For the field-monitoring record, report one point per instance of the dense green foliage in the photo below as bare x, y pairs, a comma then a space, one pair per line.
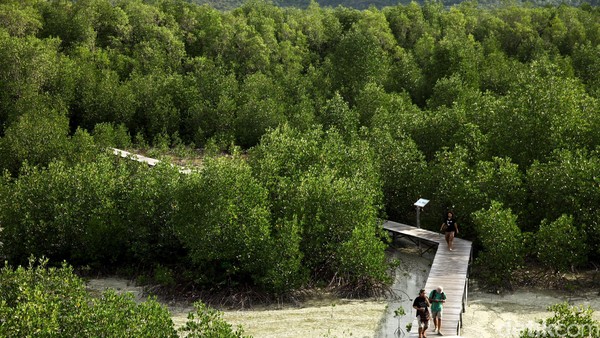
365, 4
233, 238
42, 301
53, 302
331, 188
561, 244
64, 212
501, 240
348, 116
568, 184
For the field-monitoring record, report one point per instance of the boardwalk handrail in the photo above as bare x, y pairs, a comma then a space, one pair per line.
449, 269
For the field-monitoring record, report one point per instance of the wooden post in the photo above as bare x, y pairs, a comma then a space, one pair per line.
419, 226
466, 295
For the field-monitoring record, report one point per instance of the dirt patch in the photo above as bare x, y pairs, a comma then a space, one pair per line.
338, 318
97, 285
490, 315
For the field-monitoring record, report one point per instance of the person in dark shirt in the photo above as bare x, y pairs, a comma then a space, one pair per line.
451, 228
421, 304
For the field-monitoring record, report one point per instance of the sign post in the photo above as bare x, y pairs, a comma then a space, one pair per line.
420, 204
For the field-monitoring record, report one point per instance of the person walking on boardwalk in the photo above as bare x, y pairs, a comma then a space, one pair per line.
451, 228
437, 297
421, 304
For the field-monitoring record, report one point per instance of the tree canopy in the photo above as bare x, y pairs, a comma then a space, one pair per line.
331, 118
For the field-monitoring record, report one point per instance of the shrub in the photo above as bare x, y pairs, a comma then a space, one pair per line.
331, 186
502, 244
35, 138
222, 217
361, 261
568, 321
399, 162
568, 183
64, 212
147, 210
560, 244
287, 271
119, 315
163, 275
207, 322
111, 135
41, 301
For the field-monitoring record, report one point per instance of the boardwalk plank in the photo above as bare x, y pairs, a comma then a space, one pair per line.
143, 159
448, 269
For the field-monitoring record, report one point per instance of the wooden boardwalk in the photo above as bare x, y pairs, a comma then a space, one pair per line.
143, 159
450, 269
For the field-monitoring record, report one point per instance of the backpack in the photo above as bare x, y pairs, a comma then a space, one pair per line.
434, 292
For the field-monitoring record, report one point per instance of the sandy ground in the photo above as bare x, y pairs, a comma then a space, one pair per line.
330, 317
338, 319
315, 318
487, 315
491, 315
342, 317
